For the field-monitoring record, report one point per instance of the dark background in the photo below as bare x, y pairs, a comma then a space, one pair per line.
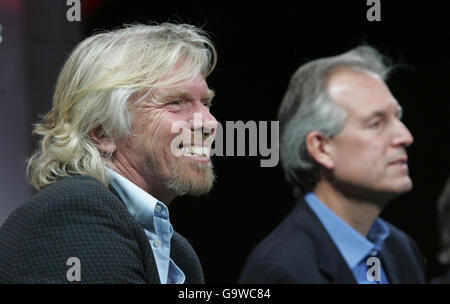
260, 44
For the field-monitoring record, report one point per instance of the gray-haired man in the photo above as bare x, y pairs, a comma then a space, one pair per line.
343, 149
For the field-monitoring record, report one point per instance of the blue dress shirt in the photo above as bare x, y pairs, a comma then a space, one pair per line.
354, 247
153, 216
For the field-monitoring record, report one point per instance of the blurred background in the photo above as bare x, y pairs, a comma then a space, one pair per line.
259, 47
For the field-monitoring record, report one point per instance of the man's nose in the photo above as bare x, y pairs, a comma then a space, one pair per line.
403, 136
203, 119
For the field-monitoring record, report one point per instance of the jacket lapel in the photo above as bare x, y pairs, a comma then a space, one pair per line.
331, 263
185, 257
390, 265
150, 262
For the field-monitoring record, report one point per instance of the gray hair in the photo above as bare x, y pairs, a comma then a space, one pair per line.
443, 208
307, 106
95, 87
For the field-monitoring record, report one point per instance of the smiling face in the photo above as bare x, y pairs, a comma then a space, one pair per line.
149, 151
368, 154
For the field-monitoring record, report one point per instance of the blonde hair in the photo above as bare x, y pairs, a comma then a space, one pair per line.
95, 86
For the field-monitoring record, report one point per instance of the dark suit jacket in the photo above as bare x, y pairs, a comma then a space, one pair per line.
443, 278
79, 217
300, 250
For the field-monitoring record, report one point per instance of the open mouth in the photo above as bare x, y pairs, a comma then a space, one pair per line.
196, 151
401, 163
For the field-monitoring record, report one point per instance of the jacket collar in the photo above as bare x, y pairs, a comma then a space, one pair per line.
330, 260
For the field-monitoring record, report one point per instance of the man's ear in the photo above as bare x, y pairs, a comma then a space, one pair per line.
103, 143
317, 145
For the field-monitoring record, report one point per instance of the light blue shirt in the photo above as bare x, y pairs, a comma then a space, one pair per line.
153, 216
354, 247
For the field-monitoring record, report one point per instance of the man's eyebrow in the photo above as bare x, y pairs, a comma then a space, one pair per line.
378, 113
186, 95
175, 94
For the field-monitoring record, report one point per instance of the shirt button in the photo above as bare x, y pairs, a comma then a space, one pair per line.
374, 253
158, 208
157, 243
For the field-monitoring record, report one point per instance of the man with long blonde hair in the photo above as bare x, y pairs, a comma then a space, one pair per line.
107, 168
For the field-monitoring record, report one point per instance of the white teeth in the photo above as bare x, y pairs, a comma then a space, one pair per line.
206, 151
196, 150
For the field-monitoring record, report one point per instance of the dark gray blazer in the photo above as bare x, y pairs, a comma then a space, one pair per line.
300, 250
79, 217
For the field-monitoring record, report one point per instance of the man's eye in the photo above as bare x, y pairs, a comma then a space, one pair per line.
174, 102
375, 124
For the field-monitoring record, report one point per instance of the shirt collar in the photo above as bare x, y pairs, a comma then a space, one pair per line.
353, 246
139, 203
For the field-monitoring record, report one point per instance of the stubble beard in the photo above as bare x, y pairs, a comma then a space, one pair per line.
196, 180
